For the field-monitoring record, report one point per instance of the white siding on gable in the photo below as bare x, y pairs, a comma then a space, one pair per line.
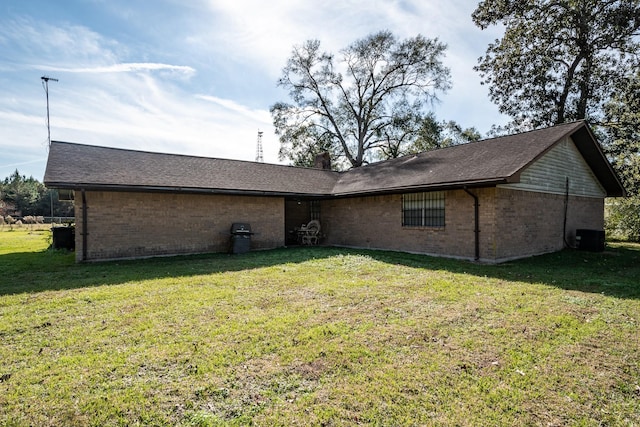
548, 174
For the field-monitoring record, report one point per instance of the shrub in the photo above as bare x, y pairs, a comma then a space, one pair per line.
623, 219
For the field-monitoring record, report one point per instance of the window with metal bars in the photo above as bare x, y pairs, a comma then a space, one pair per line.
423, 209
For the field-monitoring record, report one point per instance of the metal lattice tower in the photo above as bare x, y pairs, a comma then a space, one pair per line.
259, 157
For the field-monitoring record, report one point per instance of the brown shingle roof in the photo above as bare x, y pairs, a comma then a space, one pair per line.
85, 166
491, 161
487, 162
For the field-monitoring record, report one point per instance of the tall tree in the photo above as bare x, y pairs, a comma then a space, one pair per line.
622, 121
562, 60
364, 103
29, 196
439, 134
22, 192
558, 60
622, 131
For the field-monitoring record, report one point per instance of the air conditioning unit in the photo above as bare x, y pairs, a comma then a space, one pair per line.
590, 240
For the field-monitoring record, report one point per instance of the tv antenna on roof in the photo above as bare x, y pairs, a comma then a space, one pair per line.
259, 157
45, 85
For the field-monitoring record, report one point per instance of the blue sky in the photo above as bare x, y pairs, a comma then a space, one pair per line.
195, 76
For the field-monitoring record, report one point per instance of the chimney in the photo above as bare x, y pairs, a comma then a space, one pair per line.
323, 161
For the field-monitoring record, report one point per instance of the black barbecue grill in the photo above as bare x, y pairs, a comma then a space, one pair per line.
240, 237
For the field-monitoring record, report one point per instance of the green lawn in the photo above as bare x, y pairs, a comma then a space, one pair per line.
318, 336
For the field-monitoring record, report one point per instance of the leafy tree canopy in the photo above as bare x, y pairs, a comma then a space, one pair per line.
367, 102
563, 60
558, 60
28, 196
622, 132
434, 134
20, 191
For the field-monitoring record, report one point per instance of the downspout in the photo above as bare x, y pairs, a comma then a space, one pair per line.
476, 230
84, 226
566, 208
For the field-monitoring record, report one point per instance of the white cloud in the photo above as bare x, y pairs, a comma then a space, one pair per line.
148, 114
124, 68
232, 106
252, 30
252, 33
103, 101
29, 41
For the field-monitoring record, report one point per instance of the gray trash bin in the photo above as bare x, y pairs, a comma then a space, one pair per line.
240, 237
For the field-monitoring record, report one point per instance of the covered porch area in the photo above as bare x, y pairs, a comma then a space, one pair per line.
301, 217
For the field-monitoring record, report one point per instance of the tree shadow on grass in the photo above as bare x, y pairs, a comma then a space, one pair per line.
52, 270
615, 272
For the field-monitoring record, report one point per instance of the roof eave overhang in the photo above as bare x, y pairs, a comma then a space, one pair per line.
443, 186
373, 192
181, 190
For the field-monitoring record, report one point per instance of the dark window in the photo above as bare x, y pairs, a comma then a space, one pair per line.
423, 209
314, 209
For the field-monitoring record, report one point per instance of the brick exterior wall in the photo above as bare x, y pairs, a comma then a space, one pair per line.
376, 222
531, 223
513, 224
130, 224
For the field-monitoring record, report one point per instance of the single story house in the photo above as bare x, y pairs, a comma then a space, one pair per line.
492, 200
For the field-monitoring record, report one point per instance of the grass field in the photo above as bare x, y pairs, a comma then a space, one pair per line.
318, 336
